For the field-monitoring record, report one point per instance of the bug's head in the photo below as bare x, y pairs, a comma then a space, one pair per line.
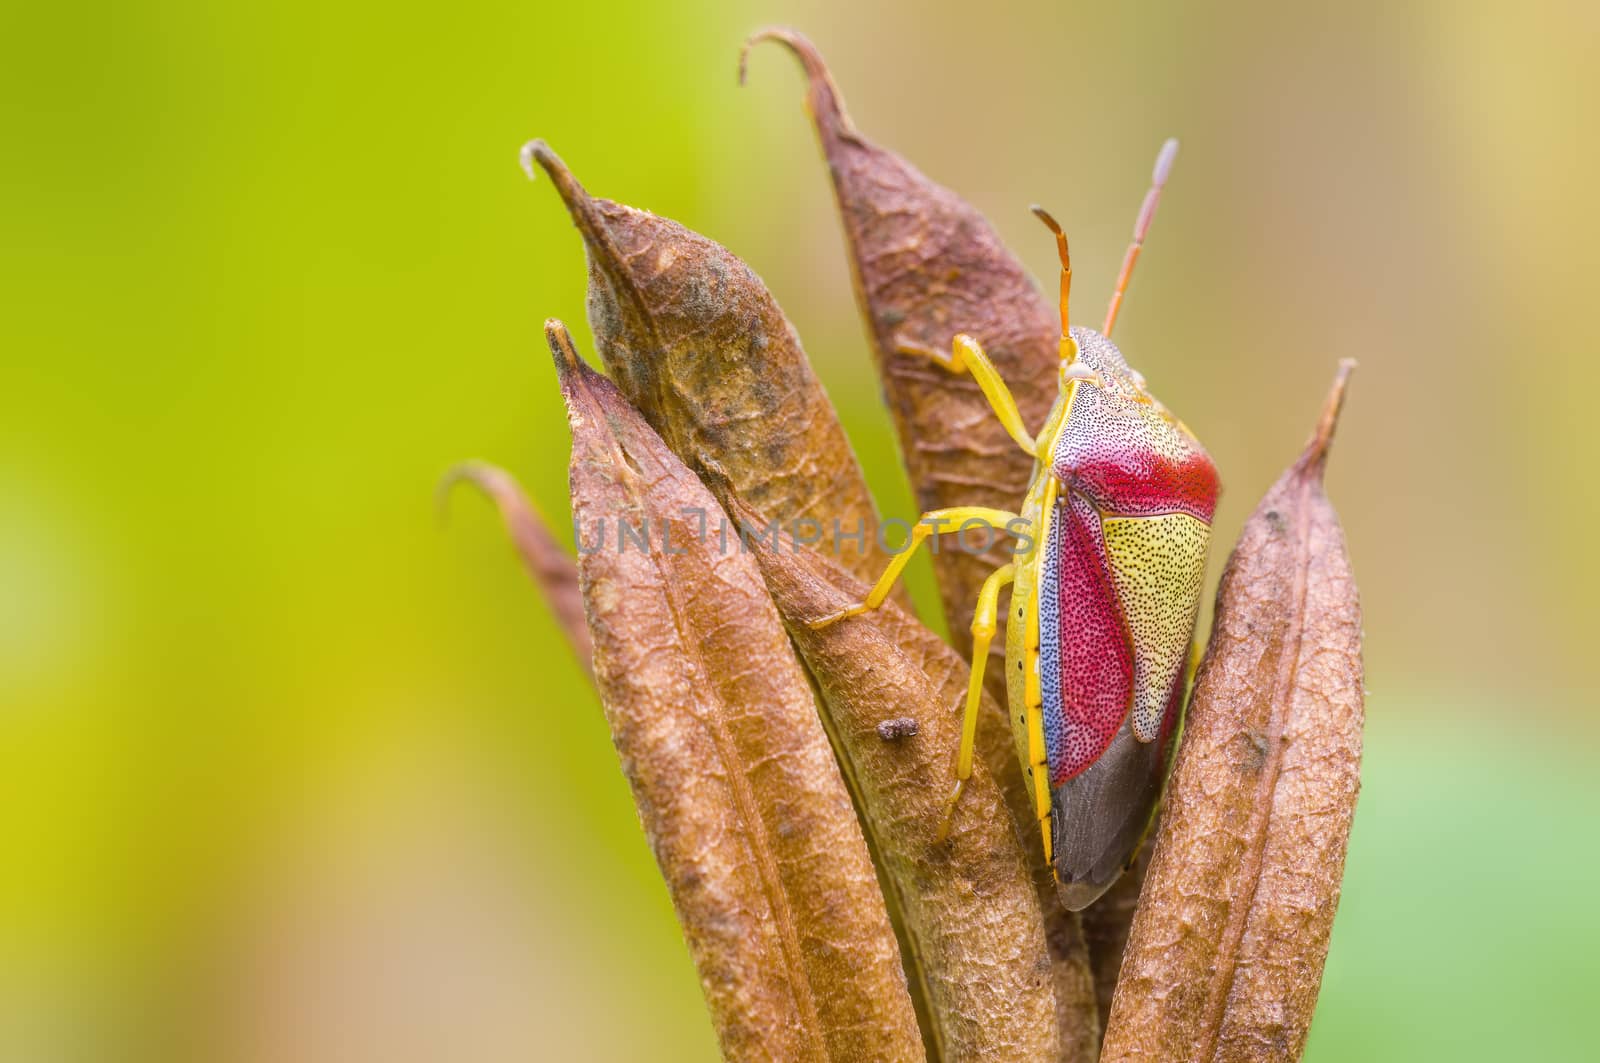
1076, 368
1099, 362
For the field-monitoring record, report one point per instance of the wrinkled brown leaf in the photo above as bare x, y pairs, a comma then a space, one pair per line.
694, 339
717, 730
970, 906
1226, 952
553, 569
928, 266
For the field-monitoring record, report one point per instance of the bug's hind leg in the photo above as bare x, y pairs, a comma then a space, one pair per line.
935, 522
984, 619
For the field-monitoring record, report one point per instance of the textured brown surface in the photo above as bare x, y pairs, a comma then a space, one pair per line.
1225, 956
553, 569
1077, 1016
736, 785
1106, 923
696, 342
928, 266
970, 907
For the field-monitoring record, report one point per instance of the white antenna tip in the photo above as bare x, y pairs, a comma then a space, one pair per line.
525, 156
1169, 152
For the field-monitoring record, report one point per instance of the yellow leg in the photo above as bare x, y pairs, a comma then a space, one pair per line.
937, 521
983, 627
966, 356
1039, 769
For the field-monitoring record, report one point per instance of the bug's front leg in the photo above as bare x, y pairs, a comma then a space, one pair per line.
984, 622
934, 522
967, 356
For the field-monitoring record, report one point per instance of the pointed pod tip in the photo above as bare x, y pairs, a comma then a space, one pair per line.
498, 485
537, 153
744, 55
473, 472
1315, 458
527, 155
568, 365
586, 213
789, 37
827, 109
591, 399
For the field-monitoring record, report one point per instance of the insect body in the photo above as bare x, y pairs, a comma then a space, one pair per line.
1106, 590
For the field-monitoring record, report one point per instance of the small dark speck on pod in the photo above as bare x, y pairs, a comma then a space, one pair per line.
898, 728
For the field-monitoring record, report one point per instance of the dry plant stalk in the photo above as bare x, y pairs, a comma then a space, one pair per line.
696, 342
1226, 952
554, 571
927, 266
970, 908
716, 727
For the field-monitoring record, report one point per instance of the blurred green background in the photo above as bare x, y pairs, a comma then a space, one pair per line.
288, 773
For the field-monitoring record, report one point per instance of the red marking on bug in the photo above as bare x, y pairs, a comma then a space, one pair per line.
1096, 658
1129, 460
1132, 481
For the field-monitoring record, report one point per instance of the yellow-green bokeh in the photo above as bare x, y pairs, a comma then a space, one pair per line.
288, 772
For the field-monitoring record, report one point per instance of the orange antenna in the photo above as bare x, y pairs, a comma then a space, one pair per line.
1069, 349
1141, 227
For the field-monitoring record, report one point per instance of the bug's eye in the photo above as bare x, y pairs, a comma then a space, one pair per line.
1079, 371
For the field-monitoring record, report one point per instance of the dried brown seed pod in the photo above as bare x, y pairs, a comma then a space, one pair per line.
717, 730
1226, 951
1105, 928
696, 342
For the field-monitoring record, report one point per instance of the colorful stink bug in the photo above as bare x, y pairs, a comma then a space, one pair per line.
1105, 589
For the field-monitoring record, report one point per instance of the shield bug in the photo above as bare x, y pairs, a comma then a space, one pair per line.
1106, 578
